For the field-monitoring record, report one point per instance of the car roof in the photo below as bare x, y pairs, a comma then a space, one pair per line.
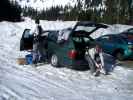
125, 31
130, 28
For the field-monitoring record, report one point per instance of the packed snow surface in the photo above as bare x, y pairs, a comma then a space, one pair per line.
45, 82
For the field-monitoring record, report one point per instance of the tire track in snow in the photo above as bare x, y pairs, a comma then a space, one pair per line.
17, 70
40, 83
49, 82
11, 92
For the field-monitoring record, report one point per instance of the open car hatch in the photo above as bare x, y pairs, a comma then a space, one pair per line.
86, 28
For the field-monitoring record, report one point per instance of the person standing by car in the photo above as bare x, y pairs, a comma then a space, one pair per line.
37, 52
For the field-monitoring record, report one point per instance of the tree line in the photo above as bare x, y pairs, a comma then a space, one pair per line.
9, 11
106, 11
103, 11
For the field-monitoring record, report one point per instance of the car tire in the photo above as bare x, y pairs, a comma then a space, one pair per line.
119, 55
54, 60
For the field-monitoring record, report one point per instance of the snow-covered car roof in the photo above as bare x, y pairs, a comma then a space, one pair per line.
89, 23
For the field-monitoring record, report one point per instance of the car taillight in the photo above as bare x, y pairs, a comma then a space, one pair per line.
72, 54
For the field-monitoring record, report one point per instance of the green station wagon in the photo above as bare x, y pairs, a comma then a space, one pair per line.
69, 49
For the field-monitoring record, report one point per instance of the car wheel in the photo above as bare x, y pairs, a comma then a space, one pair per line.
119, 56
55, 60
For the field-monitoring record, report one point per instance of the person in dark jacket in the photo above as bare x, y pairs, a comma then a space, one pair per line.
37, 31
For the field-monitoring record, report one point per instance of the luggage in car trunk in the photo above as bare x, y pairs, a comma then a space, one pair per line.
80, 45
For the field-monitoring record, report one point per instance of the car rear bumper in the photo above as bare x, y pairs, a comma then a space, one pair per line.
80, 63
77, 64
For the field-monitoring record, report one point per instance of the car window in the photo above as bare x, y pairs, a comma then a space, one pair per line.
27, 33
114, 39
105, 38
82, 39
78, 39
64, 34
130, 30
53, 35
86, 39
119, 40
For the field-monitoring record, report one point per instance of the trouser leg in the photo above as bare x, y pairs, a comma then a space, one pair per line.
35, 53
35, 58
90, 63
41, 53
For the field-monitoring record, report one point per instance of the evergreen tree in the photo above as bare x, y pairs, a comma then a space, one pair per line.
95, 8
123, 12
130, 11
110, 15
107, 11
8, 11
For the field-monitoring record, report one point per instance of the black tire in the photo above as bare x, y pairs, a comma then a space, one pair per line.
54, 60
119, 55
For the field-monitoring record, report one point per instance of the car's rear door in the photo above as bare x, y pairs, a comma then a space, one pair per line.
60, 47
26, 42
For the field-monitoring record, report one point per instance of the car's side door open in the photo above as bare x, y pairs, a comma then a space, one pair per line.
26, 42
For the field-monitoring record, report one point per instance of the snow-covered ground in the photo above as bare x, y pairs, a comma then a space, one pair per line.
48, 83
